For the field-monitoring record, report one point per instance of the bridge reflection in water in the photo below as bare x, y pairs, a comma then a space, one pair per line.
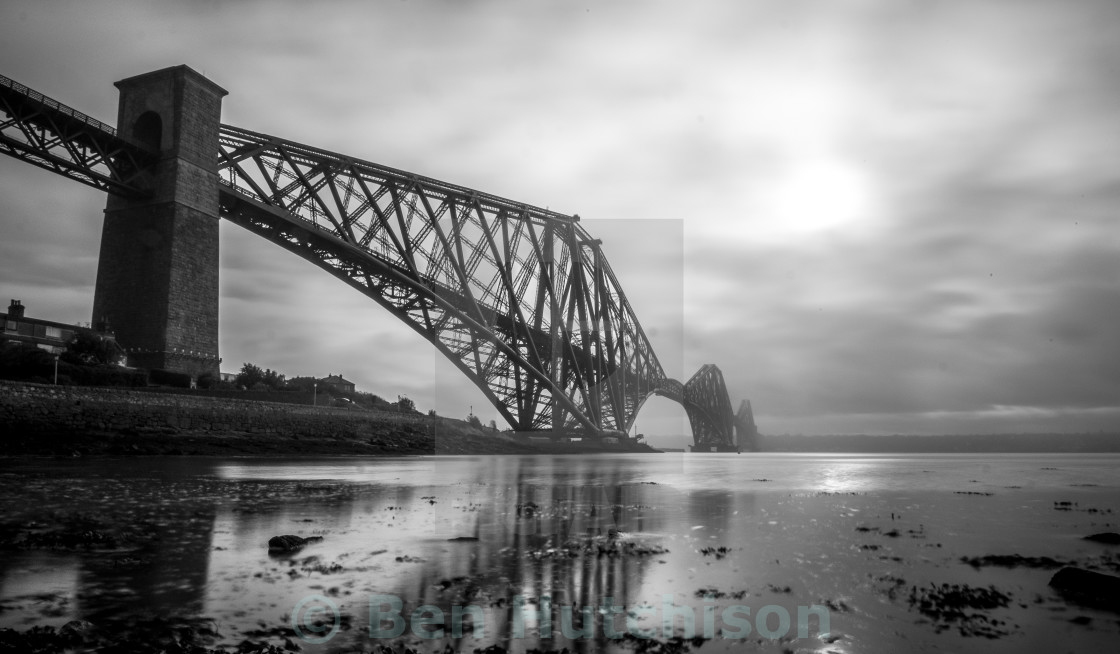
544, 531
543, 528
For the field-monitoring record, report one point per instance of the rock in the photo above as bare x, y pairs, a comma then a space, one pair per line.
963, 607
1108, 538
1088, 587
1012, 561
290, 543
76, 630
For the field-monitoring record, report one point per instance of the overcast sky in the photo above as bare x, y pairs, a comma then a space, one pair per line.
874, 216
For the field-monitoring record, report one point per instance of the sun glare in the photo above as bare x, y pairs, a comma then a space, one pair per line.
819, 196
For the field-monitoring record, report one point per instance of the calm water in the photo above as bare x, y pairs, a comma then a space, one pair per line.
798, 531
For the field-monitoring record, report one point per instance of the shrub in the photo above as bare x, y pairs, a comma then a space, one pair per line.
20, 361
251, 375
23, 361
170, 378
101, 375
88, 348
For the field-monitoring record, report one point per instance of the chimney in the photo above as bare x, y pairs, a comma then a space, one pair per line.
15, 309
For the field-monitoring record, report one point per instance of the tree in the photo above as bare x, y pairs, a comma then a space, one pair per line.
473, 421
273, 379
249, 375
306, 384
405, 404
90, 349
253, 377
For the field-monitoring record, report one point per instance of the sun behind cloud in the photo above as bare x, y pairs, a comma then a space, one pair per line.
818, 195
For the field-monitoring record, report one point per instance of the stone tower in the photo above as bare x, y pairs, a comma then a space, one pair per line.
157, 277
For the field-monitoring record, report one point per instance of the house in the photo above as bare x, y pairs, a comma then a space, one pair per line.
45, 334
337, 383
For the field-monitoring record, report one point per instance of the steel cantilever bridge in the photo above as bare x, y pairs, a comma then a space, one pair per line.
521, 299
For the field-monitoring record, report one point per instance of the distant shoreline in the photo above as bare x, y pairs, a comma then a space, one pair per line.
1042, 443
71, 420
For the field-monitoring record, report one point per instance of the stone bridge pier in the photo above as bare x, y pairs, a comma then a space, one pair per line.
157, 277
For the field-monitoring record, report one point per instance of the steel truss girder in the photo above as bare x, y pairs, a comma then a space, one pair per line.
707, 404
709, 408
48, 134
745, 427
520, 298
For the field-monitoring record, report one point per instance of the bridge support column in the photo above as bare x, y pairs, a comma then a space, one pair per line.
157, 277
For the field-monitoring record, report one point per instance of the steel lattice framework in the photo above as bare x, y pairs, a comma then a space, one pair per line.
48, 134
521, 299
709, 409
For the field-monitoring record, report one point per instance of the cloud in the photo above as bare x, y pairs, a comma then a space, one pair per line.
870, 214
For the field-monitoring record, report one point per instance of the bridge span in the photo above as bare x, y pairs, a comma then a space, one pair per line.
521, 299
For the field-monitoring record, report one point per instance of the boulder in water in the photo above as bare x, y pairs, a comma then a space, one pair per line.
1107, 537
290, 543
1088, 587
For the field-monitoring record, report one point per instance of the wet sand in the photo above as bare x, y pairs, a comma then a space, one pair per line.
920, 564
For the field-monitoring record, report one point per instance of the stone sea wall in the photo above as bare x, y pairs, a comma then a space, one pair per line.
36, 408
43, 419
40, 419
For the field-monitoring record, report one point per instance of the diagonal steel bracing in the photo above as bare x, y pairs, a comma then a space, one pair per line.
520, 298
48, 134
709, 409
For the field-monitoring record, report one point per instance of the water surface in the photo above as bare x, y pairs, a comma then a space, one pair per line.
697, 534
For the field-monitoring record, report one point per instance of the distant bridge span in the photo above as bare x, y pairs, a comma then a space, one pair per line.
521, 299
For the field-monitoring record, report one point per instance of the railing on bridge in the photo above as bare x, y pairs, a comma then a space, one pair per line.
51, 135
32, 94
